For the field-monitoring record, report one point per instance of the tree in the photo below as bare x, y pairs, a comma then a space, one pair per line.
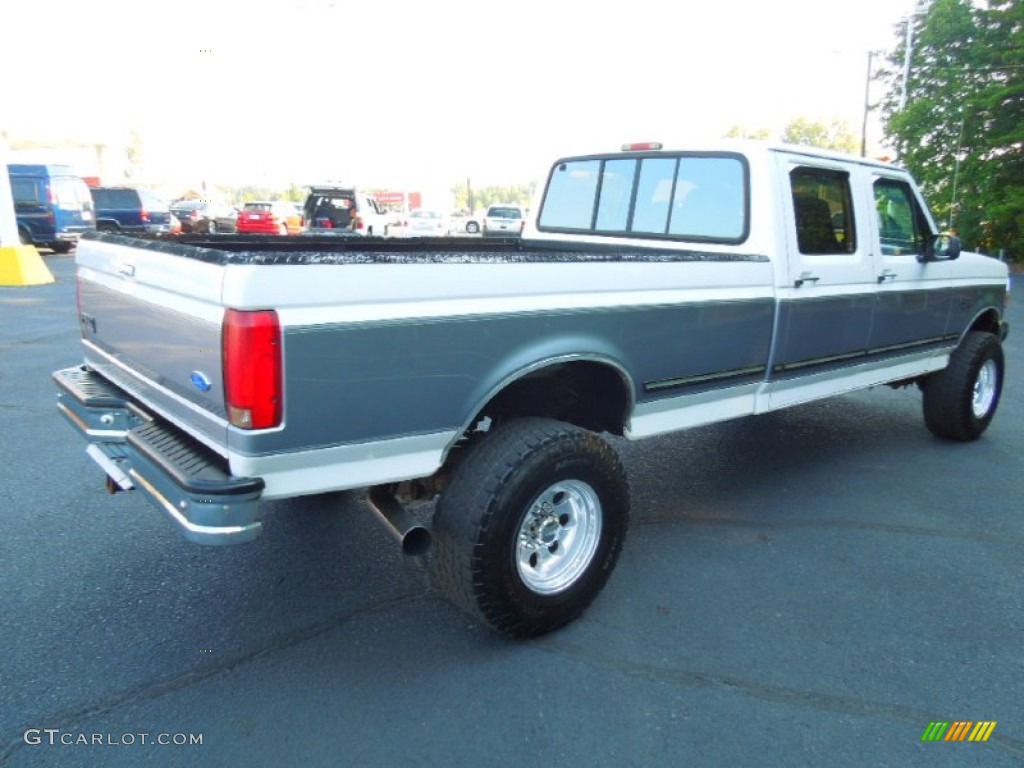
835, 134
514, 194
742, 132
955, 116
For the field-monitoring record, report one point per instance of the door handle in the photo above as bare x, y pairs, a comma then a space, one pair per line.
128, 270
887, 274
805, 277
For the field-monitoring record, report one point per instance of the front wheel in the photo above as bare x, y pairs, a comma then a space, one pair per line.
961, 399
531, 525
472, 227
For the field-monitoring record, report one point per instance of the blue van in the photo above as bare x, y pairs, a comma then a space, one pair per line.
52, 205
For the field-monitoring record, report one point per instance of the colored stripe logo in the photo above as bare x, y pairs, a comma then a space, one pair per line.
958, 730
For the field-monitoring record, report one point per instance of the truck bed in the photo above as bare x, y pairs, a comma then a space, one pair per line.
228, 249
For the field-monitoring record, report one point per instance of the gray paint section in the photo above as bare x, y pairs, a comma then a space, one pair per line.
359, 383
160, 345
829, 331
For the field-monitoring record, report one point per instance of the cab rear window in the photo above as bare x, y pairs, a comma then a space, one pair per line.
700, 197
505, 213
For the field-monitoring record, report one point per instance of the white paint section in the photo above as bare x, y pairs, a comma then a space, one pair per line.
351, 293
346, 466
809, 387
676, 413
188, 286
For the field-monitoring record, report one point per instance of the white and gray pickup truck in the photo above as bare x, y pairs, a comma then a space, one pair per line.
652, 290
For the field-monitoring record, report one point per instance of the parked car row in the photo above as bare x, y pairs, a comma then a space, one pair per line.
54, 207
499, 221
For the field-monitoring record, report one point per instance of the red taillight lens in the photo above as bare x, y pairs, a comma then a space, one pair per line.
144, 215
251, 342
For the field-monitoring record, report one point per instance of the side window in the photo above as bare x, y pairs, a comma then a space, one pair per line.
25, 193
823, 211
902, 227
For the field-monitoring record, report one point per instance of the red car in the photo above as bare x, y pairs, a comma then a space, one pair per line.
269, 218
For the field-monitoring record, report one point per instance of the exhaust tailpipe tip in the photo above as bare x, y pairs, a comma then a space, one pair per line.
414, 538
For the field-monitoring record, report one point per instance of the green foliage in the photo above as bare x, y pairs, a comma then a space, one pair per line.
961, 126
743, 132
514, 194
835, 135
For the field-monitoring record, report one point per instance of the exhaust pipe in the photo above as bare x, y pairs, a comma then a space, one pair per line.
414, 538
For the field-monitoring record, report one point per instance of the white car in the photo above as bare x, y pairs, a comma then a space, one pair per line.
504, 221
426, 222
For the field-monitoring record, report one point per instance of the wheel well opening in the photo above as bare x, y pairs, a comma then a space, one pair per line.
588, 394
987, 321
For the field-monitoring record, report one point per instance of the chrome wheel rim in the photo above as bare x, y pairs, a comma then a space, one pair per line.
985, 386
558, 537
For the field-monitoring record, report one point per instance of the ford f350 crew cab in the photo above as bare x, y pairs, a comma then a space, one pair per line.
651, 291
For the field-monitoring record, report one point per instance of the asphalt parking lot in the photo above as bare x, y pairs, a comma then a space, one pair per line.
810, 587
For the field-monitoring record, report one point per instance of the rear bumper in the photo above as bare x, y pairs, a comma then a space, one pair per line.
178, 474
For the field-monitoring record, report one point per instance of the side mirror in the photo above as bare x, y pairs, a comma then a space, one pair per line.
942, 247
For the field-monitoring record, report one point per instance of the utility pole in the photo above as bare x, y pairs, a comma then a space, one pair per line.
867, 106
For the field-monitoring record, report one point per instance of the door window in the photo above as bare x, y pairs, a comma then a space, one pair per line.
823, 211
902, 227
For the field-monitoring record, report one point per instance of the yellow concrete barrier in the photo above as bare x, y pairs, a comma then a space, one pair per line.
22, 265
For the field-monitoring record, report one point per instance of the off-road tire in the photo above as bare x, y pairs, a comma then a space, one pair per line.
960, 400
490, 517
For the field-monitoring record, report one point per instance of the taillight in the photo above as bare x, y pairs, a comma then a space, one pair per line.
251, 349
145, 215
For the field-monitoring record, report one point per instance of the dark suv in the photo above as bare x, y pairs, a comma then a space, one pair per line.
126, 209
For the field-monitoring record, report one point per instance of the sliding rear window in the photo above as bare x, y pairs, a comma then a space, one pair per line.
698, 197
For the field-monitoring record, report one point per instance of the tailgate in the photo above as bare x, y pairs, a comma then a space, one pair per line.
151, 322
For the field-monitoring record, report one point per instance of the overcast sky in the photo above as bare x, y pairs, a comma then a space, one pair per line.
401, 93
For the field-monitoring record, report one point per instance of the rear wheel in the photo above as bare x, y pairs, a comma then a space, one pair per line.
531, 525
472, 227
24, 237
62, 247
960, 400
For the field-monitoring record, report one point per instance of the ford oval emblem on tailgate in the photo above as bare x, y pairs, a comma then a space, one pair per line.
200, 381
